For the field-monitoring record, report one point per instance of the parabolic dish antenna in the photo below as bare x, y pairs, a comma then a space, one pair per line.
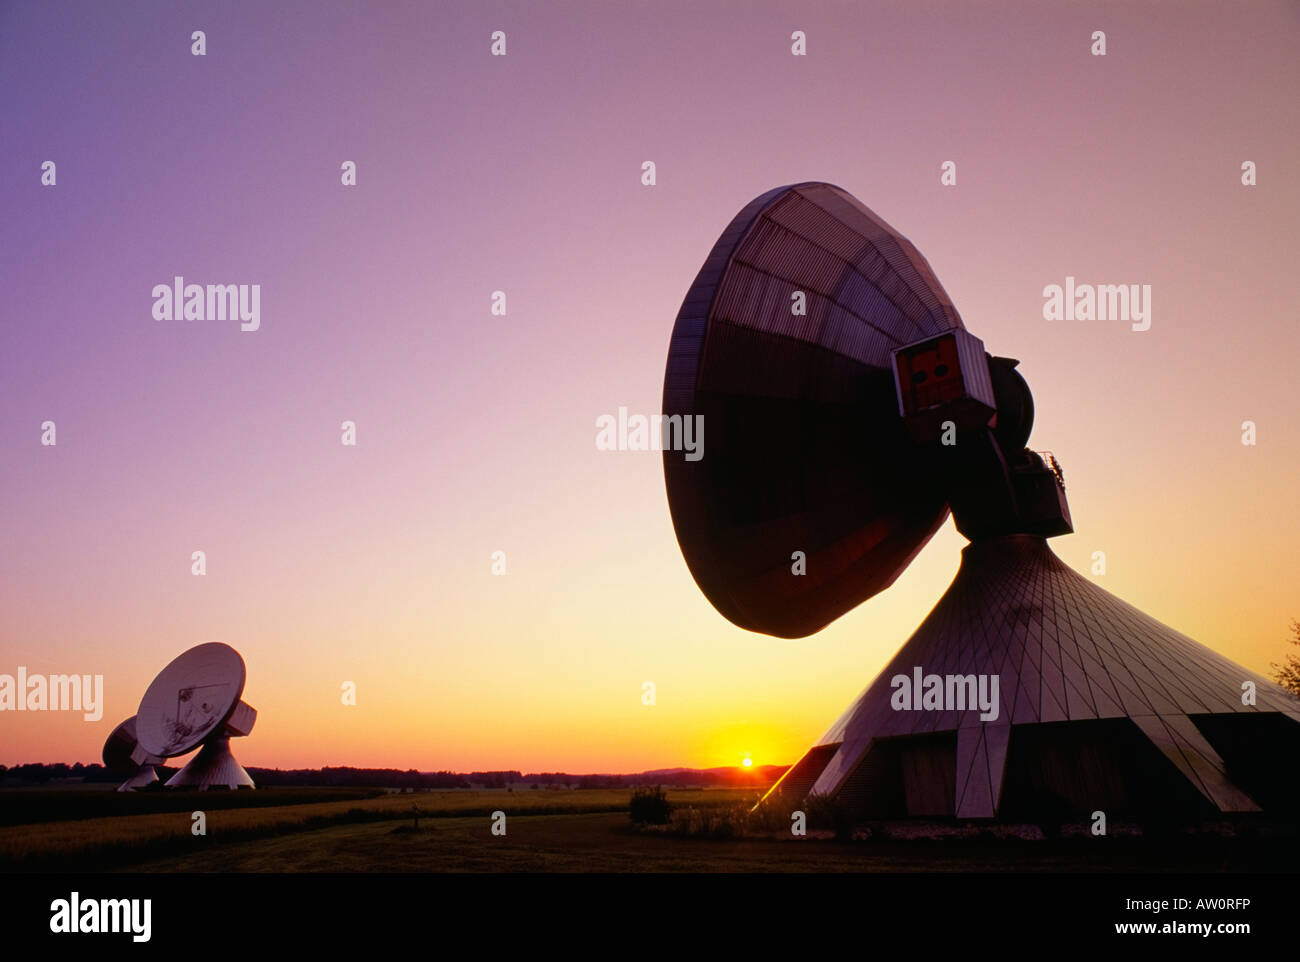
195, 701
785, 345
848, 410
118, 750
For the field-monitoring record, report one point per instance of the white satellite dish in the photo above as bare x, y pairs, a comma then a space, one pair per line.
195, 703
118, 751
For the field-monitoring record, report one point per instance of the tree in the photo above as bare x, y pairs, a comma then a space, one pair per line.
1287, 674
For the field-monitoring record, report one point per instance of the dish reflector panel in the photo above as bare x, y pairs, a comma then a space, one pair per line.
784, 345
190, 699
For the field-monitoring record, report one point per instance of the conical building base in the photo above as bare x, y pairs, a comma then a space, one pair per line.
213, 767
1029, 692
144, 776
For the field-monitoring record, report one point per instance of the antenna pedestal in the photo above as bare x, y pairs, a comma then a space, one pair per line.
213, 767
144, 776
1096, 706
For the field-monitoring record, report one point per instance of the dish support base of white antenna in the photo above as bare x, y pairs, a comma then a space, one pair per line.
213, 767
144, 775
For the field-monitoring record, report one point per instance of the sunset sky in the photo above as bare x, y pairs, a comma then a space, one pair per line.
476, 433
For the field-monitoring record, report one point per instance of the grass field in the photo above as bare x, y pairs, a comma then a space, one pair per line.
28, 805
114, 839
581, 830
607, 843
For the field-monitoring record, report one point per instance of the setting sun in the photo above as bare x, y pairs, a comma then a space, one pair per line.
748, 762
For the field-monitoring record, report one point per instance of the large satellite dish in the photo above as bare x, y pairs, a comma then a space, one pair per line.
119, 747
846, 411
785, 345
195, 703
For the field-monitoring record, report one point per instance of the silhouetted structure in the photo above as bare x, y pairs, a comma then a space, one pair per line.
195, 703
847, 411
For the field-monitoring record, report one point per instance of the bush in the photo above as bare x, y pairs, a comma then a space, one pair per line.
720, 822
772, 816
650, 806
830, 812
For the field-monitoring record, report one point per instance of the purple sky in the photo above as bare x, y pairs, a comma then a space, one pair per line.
476, 433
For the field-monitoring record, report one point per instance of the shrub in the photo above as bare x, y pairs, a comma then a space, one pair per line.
650, 806
773, 815
729, 821
830, 812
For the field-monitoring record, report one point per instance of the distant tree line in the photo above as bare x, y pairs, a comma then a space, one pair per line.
683, 778
347, 777
38, 774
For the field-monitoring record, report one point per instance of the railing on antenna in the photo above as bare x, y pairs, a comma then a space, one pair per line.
1054, 466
